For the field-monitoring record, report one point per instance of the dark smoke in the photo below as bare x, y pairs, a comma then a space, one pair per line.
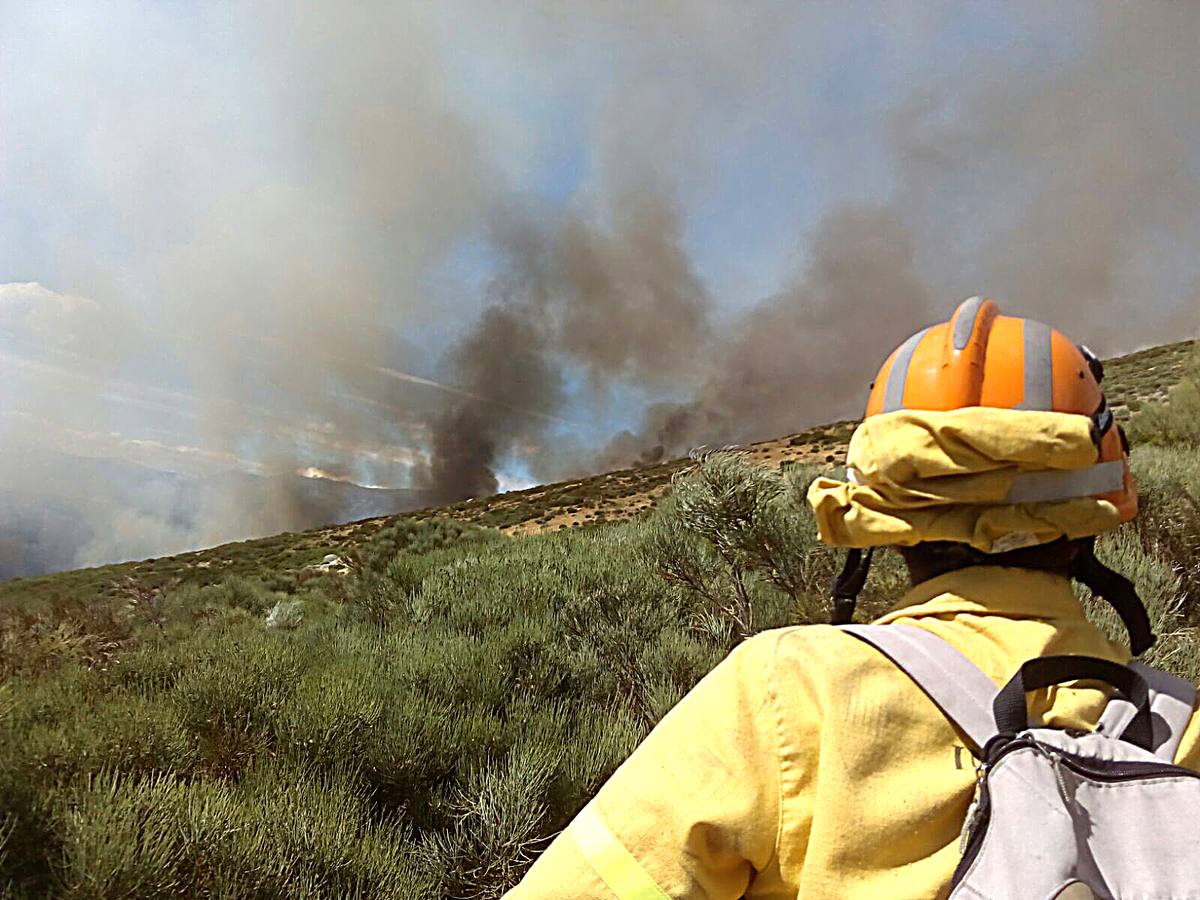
505, 360
805, 354
622, 301
1068, 192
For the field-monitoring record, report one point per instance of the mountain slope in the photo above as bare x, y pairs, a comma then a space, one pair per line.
59, 510
1131, 381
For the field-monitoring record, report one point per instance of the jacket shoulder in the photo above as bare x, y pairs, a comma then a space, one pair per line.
823, 657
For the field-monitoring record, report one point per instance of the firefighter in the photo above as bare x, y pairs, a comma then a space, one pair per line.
807, 765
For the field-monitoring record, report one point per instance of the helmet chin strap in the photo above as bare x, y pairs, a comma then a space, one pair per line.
1119, 592
849, 584
1085, 568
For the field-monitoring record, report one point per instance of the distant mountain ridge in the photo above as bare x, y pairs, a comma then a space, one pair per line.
51, 512
1131, 381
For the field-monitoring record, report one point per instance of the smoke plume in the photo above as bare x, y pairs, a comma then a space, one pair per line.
621, 302
506, 356
805, 353
1068, 193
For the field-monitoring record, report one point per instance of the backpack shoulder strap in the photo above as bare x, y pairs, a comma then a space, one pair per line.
1172, 701
962, 692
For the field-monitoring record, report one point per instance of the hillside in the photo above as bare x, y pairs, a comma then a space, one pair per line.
421, 719
52, 518
1131, 381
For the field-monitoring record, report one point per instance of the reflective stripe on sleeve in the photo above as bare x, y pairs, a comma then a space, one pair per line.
618, 868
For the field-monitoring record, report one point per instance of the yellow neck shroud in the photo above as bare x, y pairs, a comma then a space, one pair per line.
997, 479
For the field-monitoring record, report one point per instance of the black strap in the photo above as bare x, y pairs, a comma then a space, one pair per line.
1119, 592
849, 584
1094, 363
1102, 421
1009, 706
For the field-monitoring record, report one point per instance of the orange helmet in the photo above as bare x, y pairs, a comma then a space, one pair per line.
981, 358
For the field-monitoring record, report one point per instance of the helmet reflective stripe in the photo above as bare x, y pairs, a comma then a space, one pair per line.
1047, 487
1039, 367
1067, 484
964, 321
893, 399
1094, 364
616, 866
980, 358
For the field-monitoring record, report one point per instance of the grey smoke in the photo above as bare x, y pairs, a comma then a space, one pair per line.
807, 353
507, 357
622, 302
1069, 193
271, 267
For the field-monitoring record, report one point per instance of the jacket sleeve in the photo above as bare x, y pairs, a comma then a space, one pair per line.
694, 811
1188, 754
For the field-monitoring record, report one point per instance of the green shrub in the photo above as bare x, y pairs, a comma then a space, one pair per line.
381, 595
282, 581
229, 704
279, 833
442, 711
740, 541
242, 593
1168, 481
1155, 579
497, 813
1175, 421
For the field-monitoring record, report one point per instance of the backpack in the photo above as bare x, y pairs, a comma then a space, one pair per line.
1059, 813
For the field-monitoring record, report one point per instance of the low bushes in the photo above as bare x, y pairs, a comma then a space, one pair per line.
280, 832
741, 544
430, 721
427, 752
1177, 421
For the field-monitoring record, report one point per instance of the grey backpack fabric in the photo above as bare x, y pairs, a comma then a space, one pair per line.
1059, 814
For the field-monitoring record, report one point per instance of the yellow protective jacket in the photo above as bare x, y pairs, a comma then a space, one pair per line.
806, 765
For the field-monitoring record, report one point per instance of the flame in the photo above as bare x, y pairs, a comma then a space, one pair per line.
315, 472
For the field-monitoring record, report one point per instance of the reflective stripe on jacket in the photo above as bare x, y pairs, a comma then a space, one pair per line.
806, 765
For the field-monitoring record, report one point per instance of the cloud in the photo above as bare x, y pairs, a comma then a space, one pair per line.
37, 315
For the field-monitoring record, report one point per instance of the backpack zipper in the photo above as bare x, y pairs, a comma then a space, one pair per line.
973, 811
1105, 771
